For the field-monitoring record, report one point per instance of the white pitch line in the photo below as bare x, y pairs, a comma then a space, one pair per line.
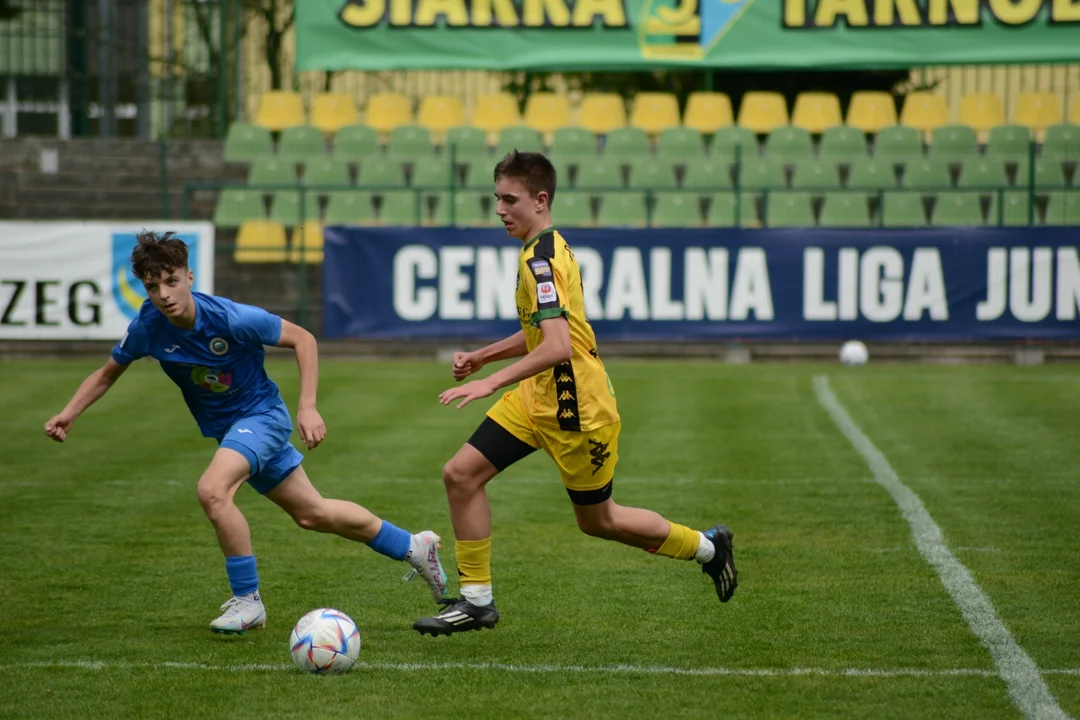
1020, 673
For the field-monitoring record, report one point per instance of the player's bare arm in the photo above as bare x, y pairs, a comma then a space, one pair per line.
554, 349
309, 423
90, 391
467, 363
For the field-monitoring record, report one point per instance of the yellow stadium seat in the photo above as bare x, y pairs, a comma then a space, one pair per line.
547, 112
310, 234
707, 112
260, 241
653, 111
982, 111
332, 111
279, 109
1037, 111
1074, 111
871, 110
762, 111
602, 112
386, 111
816, 111
439, 113
924, 111
495, 112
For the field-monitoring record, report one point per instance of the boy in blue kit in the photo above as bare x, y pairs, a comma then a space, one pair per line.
212, 348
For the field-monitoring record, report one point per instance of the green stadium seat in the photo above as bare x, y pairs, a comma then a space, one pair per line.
788, 209
572, 209
468, 209
898, 144
409, 143
845, 210
285, 207
680, 143
1049, 173
349, 207
761, 174
623, 209
599, 175
301, 144
954, 143
983, 173
708, 174
815, 175
403, 208
1062, 141
380, 173
901, 209
245, 142
676, 209
271, 171
356, 142
929, 174
626, 144
1013, 210
433, 173
236, 206
521, 138
480, 175
1009, 140
871, 174
651, 174
957, 209
722, 210
573, 142
465, 140
734, 142
842, 144
1063, 209
789, 144
326, 172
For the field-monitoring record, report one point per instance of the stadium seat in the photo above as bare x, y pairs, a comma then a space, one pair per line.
332, 111
465, 141
236, 206
602, 112
626, 144
260, 241
468, 210
1037, 110
1063, 209
433, 173
439, 113
1010, 140
788, 209
816, 111
653, 174
300, 143
599, 175
495, 112
898, 144
761, 174
521, 138
409, 143
707, 173
928, 174
901, 209
762, 112
954, 143
349, 207
572, 209
547, 112
871, 111
1049, 173
623, 209
245, 143
571, 142
815, 175
479, 174
1062, 141
307, 243
707, 112
957, 209
380, 173
654, 112
279, 109
985, 173
982, 111
789, 144
286, 208
732, 142
325, 172
723, 209
675, 210
924, 111
386, 111
680, 143
1074, 111
842, 144
1013, 212
871, 174
402, 208
271, 171
845, 210
356, 142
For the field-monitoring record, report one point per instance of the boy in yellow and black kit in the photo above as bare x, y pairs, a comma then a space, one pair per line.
564, 404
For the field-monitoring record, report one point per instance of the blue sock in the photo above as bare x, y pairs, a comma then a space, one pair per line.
243, 578
393, 542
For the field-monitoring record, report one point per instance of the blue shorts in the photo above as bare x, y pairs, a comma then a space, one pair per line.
264, 440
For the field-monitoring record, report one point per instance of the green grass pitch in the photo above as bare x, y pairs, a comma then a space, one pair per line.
109, 573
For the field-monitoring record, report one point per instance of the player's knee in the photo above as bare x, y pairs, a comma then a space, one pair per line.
212, 498
598, 526
458, 479
313, 517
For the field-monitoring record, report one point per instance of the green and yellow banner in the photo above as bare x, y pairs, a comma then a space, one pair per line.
630, 34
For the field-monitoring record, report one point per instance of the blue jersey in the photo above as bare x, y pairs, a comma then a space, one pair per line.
218, 364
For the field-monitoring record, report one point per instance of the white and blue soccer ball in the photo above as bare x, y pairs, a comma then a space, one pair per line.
325, 642
854, 352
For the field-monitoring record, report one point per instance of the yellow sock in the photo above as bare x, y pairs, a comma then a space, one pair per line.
681, 543
474, 561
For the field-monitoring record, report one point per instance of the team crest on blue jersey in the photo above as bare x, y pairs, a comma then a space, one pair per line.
127, 290
219, 346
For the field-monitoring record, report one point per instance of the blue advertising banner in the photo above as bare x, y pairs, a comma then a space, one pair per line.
933, 284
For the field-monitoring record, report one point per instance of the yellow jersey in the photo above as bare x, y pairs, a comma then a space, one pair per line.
575, 395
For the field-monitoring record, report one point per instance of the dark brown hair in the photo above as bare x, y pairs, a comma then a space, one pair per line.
155, 255
533, 169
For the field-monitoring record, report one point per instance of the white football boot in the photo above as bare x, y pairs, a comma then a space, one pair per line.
424, 558
240, 613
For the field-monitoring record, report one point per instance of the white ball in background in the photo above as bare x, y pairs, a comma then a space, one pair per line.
854, 353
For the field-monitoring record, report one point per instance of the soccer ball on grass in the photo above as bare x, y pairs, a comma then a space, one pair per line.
325, 642
854, 352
